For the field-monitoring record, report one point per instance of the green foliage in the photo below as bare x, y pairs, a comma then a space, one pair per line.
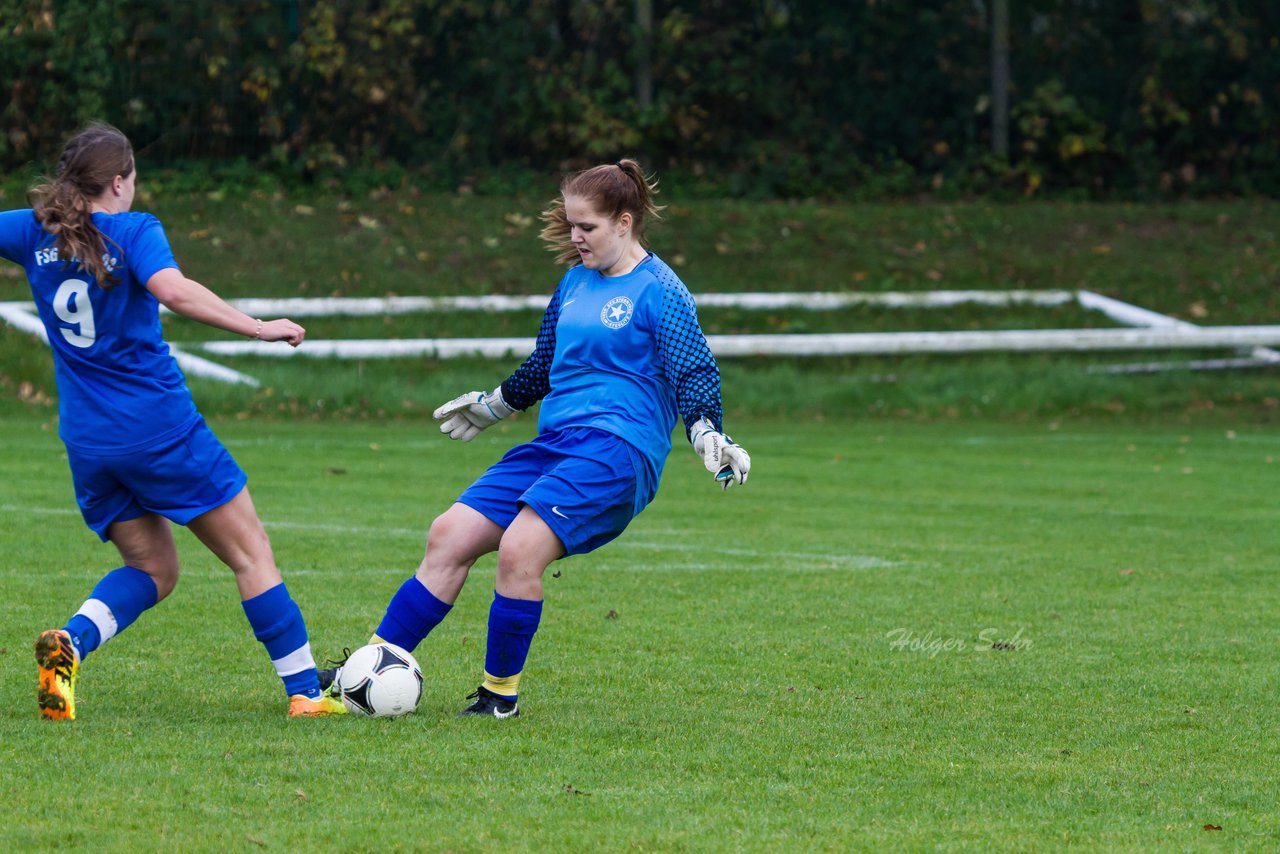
1059, 139
761, 99
49, 75
1212, 108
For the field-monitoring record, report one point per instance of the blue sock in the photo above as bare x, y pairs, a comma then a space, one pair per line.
512, 624
277, 623
411, 615
117, 600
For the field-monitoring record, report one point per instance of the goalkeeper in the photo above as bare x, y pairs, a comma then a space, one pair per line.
619, 354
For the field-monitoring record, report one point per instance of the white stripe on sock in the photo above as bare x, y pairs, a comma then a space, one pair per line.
295, 662
100, 615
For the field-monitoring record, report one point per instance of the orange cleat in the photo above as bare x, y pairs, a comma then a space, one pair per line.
305, 707
59, 665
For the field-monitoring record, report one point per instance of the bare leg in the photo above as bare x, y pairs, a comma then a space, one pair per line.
146, 543
234, 533
457, 539
528, 547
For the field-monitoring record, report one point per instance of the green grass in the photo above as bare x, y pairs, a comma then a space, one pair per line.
803, 664
736, 673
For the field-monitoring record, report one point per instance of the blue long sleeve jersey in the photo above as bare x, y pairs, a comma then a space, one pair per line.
622, 354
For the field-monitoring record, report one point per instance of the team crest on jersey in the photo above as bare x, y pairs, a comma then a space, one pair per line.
617, 312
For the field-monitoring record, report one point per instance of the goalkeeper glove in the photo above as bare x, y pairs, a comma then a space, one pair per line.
464, 417
730, 463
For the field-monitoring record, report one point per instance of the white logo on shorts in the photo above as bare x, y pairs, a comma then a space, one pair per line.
556, 510
617, 312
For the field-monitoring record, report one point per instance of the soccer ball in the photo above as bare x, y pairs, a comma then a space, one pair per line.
380, 680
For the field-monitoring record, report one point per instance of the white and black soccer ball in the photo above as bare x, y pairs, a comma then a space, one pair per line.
380, 680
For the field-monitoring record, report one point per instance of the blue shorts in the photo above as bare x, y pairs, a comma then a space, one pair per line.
581, 482
179, 478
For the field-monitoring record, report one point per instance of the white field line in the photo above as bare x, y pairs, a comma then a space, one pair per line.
317, 527
810, 558
356, 530
39, 511
790, 560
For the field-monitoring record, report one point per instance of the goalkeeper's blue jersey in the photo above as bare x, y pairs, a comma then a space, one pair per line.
119, 389
622, 354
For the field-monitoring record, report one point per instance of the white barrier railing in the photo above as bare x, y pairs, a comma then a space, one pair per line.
835, 344
1154, 331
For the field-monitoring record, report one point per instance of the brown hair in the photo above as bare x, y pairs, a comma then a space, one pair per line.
614, 189
90, 161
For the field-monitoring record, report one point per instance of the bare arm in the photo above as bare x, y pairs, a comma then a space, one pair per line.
193, 300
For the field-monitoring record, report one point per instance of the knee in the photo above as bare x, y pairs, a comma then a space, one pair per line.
164, 573
446, 552
522, 557
162, 565
517, 577
447, 541
513, 563
527, 548
438, 533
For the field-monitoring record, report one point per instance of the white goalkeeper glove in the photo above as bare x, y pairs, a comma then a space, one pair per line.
730, 463
464, 417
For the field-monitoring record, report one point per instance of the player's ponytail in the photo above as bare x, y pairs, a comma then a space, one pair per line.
62, 204
614, 189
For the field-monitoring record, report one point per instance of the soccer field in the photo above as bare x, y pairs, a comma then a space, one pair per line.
898, 636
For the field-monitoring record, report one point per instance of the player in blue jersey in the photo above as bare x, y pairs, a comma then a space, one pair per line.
619, 356
140, 453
